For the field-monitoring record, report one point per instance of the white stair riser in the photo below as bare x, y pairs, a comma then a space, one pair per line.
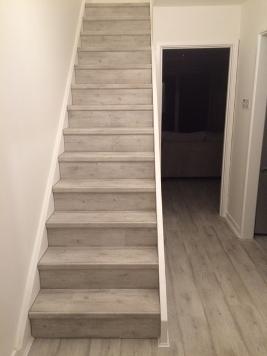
115, 41
91, 119
107, 170
111, 96
111, 76
123, 12
102, 237
104, 201
99, 277
117, 26
111, 326
109, 143
114, 58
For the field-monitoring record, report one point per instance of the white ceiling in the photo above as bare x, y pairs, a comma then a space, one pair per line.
196, 2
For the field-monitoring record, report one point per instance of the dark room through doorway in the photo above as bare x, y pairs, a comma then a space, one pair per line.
194, 102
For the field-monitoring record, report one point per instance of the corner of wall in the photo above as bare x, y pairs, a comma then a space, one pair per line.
234, 226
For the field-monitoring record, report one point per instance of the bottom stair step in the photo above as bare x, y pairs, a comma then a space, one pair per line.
118, 313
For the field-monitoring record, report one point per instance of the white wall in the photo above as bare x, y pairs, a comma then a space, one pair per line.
254, 21
196, 2
196, 23
178, 25
36, 42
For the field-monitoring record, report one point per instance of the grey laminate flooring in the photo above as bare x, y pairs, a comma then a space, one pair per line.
217, 285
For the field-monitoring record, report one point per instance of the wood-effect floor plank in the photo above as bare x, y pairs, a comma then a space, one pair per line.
102, 347
262, 241
219, 317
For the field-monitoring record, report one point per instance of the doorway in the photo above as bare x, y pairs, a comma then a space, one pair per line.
260, 114
261, 210
194, 108
254, 199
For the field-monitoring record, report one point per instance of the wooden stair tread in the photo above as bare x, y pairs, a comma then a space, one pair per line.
104, 185
118, 48
114, 33
117, 4
112, 67
83, 257
112, 86
84, 34
108, 131
95, 302
106, 157
144, 219
115, 18
115, 49
110, 107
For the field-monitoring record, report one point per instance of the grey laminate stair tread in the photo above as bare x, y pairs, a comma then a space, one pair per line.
113, 67
118, 48
110, 107
108, 131
124, 35
117, 4
62, 302
115, 18
114, 33
112, 41
115, 49
112, 86
105, 185
107, 157
144, 219
83, 257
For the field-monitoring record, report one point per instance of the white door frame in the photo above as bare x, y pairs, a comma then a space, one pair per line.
256, 132
230, 106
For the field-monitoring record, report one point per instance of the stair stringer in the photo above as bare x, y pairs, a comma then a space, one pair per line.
164, 336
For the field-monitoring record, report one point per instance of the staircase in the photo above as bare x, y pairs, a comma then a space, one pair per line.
99, 276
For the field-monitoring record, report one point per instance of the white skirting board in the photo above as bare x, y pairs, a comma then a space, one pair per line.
24, 351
